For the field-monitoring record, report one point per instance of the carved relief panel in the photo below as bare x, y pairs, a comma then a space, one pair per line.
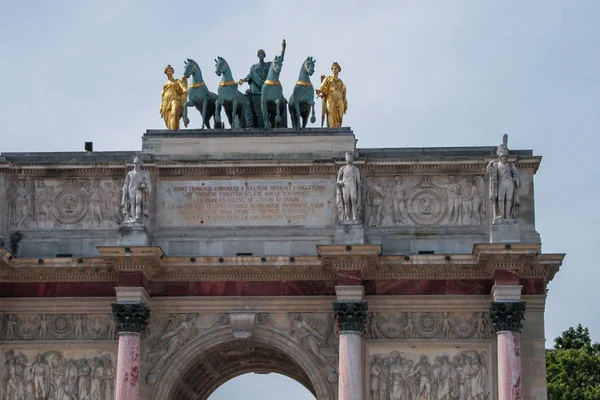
428, 372
441, 325
58, 374
93, 203
57, 327
426, 201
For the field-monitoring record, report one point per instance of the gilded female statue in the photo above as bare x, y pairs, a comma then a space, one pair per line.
174, 95
333, 93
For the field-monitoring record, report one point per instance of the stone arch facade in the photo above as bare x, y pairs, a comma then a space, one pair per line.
290, 359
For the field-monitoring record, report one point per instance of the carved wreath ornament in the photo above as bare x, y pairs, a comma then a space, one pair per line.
70, 206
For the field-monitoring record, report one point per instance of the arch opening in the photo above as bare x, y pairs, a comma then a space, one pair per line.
232, 359
261, 386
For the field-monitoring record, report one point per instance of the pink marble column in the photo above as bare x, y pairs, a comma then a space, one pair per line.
128, 366
509, 365
130, 319
350, 384
507, 318
351, 317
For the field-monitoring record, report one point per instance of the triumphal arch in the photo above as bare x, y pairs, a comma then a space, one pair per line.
362, 273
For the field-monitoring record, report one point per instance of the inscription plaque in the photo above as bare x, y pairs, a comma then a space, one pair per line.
273, 202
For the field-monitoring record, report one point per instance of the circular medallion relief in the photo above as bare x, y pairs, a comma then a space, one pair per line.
427, 325
60, 326
426, 207
70, 206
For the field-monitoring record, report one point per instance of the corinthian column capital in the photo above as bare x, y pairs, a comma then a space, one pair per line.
507, 315
130, 317
350, 315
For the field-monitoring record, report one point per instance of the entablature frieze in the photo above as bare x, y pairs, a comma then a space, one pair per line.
156, 266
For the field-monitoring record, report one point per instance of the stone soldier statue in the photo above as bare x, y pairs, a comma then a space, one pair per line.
135, 193
504, 183
349, 190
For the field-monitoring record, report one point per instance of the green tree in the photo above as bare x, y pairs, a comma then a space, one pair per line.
573, 366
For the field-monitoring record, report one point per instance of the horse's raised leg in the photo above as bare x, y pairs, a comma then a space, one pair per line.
312, 117
186, 120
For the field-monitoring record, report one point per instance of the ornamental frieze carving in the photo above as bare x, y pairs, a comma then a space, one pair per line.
57, 327
425, 201
54, 375
92, 203
431, 374
443, 325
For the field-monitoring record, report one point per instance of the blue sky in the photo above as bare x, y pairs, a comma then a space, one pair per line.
435, 73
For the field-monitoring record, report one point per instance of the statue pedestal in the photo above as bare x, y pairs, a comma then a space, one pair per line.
349, 232
248, 144
133, 234
505, 231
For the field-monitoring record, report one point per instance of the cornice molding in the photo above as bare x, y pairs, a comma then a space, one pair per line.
155, 265
271, 168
